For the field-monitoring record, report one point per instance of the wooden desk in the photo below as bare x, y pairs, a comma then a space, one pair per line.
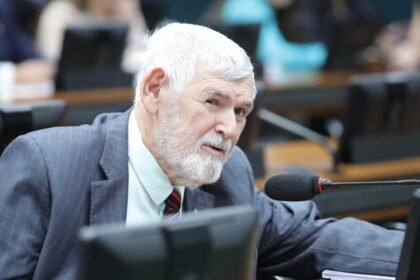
311, 79
312, 93
324, 80
310, 156
308, 94
88, 97
305, 156
299, 93
84, 105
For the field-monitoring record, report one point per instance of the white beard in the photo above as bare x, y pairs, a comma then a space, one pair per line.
183, 155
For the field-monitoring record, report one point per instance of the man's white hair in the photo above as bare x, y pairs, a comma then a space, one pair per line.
177, 47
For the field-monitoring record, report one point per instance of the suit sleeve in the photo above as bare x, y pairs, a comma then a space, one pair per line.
24, 207
296, 242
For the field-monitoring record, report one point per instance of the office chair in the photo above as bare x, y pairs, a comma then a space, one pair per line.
382, 118
96, 62
18, 119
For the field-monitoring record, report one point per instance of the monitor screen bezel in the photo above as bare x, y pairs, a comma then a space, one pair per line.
216, 243
408, 268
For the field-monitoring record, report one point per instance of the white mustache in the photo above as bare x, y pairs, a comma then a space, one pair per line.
215, 140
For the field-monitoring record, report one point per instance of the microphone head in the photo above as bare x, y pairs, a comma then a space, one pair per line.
292, 187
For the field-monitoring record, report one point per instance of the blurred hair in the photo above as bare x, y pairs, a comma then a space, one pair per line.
177, 47
81, 4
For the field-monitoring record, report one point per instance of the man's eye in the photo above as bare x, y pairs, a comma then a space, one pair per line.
211, 101
240, 112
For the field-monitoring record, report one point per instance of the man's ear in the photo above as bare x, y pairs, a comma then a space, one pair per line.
151, 90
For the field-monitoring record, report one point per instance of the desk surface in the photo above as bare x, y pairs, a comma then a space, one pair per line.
88, 97
302, 155
292, 81
307, 94
315, 158
311, 79
303, 94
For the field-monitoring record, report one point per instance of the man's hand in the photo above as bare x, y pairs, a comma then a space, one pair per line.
33, 71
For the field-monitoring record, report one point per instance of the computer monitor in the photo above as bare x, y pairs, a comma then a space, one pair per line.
213, 244
382, 119
91, 57
408, 267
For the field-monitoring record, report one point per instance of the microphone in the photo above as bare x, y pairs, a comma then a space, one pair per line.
298, 187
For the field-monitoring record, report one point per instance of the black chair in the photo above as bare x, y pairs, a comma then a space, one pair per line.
19, 119
91, 57
382, 120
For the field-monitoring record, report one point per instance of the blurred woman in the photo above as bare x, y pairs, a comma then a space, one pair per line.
17, 50
60, 14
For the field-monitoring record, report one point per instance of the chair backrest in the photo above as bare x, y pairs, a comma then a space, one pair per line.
91, 57
382, 119
18, 119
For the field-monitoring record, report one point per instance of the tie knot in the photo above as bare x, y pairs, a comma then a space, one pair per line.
172, 203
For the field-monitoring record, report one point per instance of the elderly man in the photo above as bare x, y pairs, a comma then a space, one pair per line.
195, 89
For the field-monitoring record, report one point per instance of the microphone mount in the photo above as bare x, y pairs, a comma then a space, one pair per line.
302, 131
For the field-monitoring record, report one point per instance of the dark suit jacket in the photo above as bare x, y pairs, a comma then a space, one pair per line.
54, 181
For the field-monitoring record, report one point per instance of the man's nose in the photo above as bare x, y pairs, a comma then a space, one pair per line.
226, 124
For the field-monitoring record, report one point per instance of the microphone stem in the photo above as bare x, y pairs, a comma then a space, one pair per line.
296, 128
373, 183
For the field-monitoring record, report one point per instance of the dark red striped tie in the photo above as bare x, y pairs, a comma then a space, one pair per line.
173, 203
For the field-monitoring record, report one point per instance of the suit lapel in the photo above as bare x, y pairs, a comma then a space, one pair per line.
109, 197
198, 199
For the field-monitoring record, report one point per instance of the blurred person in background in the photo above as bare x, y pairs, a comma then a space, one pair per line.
300, 35
345, 27
59, 14
399, 43
27, 13
273, 49
17, 48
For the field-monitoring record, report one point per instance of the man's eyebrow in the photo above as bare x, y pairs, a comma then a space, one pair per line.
214, 92
217, 93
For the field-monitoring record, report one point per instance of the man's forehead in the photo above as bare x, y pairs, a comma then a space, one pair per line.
203, 73
227, 92
214, 82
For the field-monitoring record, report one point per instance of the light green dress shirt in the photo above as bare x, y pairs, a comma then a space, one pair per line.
148, 186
